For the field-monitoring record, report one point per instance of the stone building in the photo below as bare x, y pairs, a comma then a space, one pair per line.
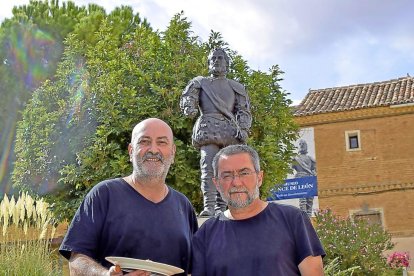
364, 143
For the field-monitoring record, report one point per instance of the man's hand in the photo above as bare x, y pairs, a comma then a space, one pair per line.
189, 111
117, 271
311, 266
243, 135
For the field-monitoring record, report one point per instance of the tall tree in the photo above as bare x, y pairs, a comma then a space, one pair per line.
76, 129
30, 48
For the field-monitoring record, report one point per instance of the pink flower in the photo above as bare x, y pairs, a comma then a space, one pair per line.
398, 259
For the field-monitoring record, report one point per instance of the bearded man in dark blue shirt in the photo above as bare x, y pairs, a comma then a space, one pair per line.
136, 216
253, 237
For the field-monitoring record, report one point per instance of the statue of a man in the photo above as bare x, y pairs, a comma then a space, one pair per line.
225, 119
304, 165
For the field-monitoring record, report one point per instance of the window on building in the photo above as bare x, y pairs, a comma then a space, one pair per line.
371, 216
352, 140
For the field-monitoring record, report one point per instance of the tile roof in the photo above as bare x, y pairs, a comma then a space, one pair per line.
385, 93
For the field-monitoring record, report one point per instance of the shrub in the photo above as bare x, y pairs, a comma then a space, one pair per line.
353, 243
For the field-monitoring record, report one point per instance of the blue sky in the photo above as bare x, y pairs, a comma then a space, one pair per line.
317, 43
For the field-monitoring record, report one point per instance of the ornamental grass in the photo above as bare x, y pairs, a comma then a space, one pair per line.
25, 239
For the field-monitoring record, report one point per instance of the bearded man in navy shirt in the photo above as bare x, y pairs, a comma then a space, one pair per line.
136, 216
253, 237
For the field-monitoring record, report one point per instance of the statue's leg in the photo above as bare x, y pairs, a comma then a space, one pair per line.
207, 186
220, 206
309, 204
302, 204
305, 204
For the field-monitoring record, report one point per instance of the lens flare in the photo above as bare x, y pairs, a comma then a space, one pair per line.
79, 83
30, 52
6, 144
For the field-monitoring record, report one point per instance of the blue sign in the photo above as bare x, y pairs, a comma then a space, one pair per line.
303, 187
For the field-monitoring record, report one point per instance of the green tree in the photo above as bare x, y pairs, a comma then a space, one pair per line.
76, 129
30, 48
65, 113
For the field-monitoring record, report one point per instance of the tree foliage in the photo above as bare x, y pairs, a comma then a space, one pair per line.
30, 49
76, 129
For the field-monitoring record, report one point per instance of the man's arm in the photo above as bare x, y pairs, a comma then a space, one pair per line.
80, 264
311, 266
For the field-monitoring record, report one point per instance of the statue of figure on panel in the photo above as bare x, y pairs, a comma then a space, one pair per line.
304, 165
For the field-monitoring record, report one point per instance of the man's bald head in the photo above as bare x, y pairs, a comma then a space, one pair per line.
154, 124
151, 150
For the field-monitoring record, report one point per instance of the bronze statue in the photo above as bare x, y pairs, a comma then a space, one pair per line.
225, 119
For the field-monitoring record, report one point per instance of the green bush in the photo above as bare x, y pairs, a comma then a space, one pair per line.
353, 243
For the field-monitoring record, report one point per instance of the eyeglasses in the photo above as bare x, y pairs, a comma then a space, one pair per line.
243, 175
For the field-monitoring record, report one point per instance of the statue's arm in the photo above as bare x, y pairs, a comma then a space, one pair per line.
243, 114
190, 98
296, 164
313, 165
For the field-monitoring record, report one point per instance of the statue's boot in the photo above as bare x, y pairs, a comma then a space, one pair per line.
220, 206
305, 204
209, 197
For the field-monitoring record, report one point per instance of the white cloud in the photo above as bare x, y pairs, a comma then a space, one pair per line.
319, 44
404, 44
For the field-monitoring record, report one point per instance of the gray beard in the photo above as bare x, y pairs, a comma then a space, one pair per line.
218, 71
239, 203
144, 173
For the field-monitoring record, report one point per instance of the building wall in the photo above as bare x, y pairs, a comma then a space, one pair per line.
380, 176
396, 207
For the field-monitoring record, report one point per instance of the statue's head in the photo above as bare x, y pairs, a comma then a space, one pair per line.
218, 62
303, 147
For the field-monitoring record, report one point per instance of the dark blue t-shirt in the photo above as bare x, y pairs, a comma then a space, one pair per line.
273, 242
115, 220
